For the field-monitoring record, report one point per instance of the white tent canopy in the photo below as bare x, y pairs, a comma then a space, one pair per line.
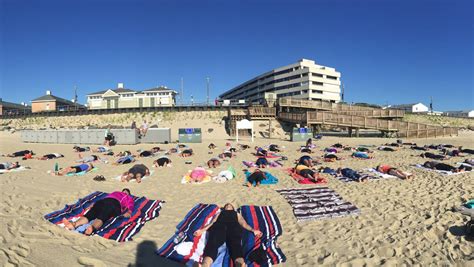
244, 125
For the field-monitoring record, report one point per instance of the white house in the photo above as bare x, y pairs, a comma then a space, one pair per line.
412, 108
460, 114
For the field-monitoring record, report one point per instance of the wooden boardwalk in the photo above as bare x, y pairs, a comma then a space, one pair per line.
403, 129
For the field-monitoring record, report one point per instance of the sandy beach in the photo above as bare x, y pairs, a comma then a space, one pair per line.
402, 223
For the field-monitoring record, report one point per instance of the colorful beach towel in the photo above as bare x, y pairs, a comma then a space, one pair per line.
270, 178
119, 228
317, 203
188, 180
303, 180
185, 248
420, 166
272, 164
82, 173
19, 169
119, 177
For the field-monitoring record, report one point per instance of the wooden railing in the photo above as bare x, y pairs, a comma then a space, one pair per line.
404, 129
341, 108
261, 112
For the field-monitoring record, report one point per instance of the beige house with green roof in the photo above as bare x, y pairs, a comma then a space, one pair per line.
121, 97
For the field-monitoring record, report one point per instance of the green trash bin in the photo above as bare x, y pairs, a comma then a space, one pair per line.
190, 135
301, 134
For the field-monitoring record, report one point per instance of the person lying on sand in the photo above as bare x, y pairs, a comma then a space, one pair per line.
306, 172
102, 149
226, 228
213, 163
398, 144
387, 169
331, 150
138, 171
423, 148
186, 153
309, 143
361, 155
85, 167
387, 148
274, 148
22, 153
363, 149
466, 150
244, 147
149, 153
469, 161
352, 174
124, 153
91, 158
307, 160
211, 146
113, 205
226, 154
81, 149
162, 161
451, 153
261, 162
51, 156
198, 174
433, 156
9, 165
124, 160
260, 152
331, 157
305, 149
445, 167
338, 145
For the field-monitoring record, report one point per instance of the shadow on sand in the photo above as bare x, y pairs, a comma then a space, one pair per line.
146, 256
461, 231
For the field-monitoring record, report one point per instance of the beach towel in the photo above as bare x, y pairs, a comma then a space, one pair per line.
82, 173
420, 166
270, 178
465, 164
225, 175
378, 175
120, 229
19, 169
188, 180
184, 247
119, 177
302, 180
271, 155
317, 203
272, 164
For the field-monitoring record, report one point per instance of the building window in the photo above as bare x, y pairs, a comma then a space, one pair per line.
317, 75
126, 95
317, 83
316, 91
331, 77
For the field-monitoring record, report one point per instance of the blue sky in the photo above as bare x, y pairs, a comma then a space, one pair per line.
387, 51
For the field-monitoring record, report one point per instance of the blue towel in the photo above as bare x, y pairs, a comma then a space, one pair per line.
270, 178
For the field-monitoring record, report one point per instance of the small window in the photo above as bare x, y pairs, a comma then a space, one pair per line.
331, 77
317, 75
318, 83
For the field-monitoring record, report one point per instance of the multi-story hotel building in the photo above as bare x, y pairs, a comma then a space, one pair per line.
303, 79
128, 98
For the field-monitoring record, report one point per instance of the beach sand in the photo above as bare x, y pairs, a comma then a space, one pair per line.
401, 222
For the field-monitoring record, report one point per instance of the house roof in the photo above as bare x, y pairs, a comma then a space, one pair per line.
55, 98
118, 90
405, 105
11, 105
161, 88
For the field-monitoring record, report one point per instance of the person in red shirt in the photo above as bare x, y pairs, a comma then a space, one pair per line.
387, 169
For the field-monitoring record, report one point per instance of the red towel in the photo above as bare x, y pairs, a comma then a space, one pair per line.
303, 180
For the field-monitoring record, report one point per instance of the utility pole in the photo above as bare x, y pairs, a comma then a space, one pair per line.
207, 78
75, 97
182, 91
342, 92
431, 105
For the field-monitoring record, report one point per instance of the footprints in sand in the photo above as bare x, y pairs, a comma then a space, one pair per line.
17, 254
90, 262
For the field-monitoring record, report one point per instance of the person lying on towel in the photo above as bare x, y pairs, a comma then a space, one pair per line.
227, 227
306, 172
148, 153
213, 163
22, 153
162, 161
226, 154
9, 165
102, 149
274, 148
433, 156
113, 205
87, 159
352, 174
331, 157
211, 146
387, 169
198, 174
260, 152
85, 167
138, 171
186, 153
123, 153
451, 153
51, 156
81, 149
434, 165
125, 160
466, 150
387, 148
415, 147
256, 178
305, 149
261, 162
361, 155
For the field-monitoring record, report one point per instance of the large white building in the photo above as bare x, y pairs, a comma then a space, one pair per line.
460, 114
121, 97
412, 108
303, 79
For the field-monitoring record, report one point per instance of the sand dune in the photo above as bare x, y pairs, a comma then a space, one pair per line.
401, 222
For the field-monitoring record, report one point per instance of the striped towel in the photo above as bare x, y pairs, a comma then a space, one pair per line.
119, 228
420, 166
183, 247
317, 203
251, 164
